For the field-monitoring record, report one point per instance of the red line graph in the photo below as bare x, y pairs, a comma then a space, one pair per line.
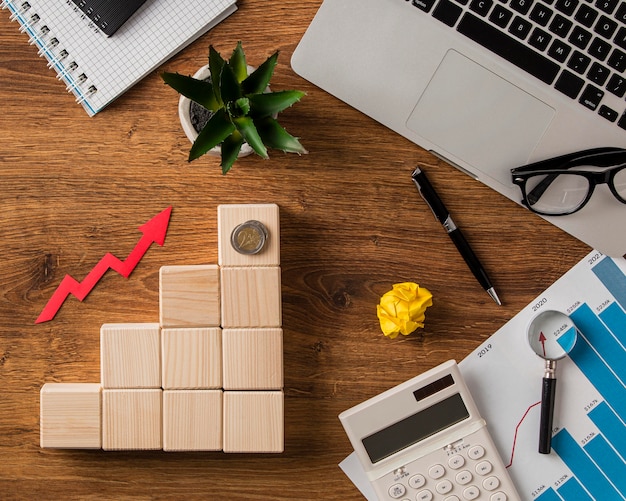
153, 231
516, 430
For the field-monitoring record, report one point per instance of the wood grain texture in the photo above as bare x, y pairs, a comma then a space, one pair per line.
191, 358
189, 296
192, 420
352, 225
231, 216
253, 359
70, 415
251, 296
130, 355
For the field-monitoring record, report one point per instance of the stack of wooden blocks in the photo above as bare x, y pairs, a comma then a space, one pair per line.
208, 376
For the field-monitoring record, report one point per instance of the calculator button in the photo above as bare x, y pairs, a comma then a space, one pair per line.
424, 495
444, 487
455, 462
476, 452
464, 477
417, 481
491, 483
397, 491
498, 496
484, 468
436, 471
472, 492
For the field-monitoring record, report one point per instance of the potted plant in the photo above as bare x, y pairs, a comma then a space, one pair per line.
240, 108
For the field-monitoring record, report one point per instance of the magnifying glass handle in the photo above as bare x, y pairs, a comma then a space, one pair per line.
548, 391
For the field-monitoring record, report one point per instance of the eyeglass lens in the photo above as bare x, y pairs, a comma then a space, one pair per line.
566, 192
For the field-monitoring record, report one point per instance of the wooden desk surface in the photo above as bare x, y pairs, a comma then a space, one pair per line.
75, 188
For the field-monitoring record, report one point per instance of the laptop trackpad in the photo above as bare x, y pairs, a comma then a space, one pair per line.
474, 115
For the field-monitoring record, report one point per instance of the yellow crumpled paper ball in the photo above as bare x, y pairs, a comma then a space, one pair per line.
402, 309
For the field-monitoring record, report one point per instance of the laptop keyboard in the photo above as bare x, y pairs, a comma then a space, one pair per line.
576, 46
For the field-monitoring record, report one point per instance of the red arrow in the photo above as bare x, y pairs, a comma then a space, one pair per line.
542, 340
153, 231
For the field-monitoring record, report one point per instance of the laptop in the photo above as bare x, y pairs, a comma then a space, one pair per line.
487, 85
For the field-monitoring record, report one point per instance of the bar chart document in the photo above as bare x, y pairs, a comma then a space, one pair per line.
588, 458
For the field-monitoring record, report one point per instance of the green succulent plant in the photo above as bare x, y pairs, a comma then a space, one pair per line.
241, 110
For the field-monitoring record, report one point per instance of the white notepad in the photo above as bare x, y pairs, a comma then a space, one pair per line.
97, 69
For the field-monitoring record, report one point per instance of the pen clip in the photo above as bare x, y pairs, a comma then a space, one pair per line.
421, 192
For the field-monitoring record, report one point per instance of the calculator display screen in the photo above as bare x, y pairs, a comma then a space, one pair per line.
415, 428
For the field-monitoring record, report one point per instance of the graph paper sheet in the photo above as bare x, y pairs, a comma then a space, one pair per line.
588, 459
98, 69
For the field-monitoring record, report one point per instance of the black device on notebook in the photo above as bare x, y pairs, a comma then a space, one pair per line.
108, 15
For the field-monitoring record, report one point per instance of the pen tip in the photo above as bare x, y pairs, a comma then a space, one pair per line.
494, 296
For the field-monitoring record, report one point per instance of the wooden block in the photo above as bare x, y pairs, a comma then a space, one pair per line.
253, 359
192, 420
192, 358
230, 217
189, 296
130, 356
70, 416
251, 297
253, 421
131, 419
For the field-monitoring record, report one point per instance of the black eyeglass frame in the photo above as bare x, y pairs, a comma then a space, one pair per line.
553, 167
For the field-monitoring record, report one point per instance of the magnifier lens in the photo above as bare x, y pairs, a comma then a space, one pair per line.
552, 335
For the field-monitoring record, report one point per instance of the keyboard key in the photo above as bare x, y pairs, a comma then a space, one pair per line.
591, 97
559, 51
620, 38
586, 15
521, 6
424, 5
608, 113
580, 37
500, 16
481, 7
607, 6
539, 39
579, 62
540, 14
617, 85
567, 7
560, 26
520, 28
447, 12
569, 84
617, 60
598, 74
605, 27
622, 121
620, 15
599, 49
518, 54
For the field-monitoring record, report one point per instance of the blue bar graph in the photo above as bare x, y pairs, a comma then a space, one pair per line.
610, 426
615, 319
601, 339
608, 461
549, 495
583, 467
572, 490
598, 461
612, 278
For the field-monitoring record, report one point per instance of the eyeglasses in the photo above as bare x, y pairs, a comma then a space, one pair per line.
563, 185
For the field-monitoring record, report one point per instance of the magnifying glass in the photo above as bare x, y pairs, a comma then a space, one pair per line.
551, 335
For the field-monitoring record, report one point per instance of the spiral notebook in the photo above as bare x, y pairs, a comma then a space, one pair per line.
97, 69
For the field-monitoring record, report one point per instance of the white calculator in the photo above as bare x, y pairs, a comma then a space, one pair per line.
424, 440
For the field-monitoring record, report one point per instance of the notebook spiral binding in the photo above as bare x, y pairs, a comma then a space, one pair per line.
59, 59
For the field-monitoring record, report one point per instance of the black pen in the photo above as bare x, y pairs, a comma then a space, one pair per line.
442, 215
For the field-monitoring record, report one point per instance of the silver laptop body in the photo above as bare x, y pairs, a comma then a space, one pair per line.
445, 92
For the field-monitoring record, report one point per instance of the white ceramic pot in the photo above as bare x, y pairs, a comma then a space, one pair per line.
184, 106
